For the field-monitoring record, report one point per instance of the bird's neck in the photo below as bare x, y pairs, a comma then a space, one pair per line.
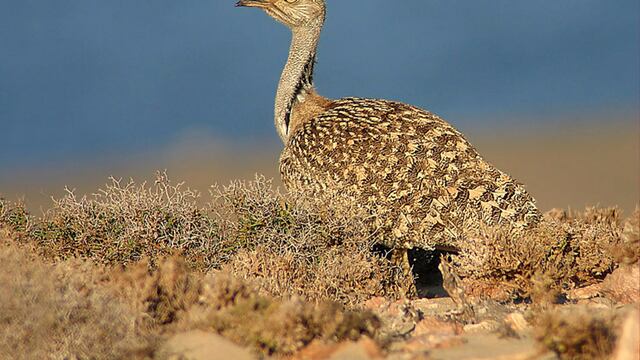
296, 80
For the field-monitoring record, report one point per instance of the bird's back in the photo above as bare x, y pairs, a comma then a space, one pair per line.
420, 178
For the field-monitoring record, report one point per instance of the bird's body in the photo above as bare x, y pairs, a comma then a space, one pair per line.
422, 181
420, 178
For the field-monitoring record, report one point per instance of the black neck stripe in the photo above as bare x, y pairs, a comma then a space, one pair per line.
305, 81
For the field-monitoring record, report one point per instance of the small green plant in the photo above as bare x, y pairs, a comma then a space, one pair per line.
13, 216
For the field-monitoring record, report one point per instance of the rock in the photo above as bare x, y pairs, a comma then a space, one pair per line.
317, 350
431, 333
628, 347
587, 292
399, 318
517, 322
623, 285
597, 303
486, 326
431, 325
435, 307
424, 344
375, 303
478, 289
364, 349
492, 347
395, 309
202, 345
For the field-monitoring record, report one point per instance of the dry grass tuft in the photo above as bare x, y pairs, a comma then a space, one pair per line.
162, 294
230, 307
577, 332
54, 311
75, 309
173, 299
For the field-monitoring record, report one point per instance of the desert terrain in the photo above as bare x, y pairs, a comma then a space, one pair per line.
169, 265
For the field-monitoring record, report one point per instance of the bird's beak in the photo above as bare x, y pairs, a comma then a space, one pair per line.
253, 3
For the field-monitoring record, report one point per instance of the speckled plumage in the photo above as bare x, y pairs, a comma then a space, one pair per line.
419, 176
420, 179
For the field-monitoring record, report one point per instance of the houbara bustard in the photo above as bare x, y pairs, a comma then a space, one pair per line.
421, 180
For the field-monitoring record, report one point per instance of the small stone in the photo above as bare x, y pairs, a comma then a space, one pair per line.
375, 303
399, 317
517, 322
431, 333
486, 326
363, 349
425, 343
433, 307
587, 292
493, 347
478, 289
431, 325
597, 303
202, 345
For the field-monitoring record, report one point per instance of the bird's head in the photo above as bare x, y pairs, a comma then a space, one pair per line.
293, 13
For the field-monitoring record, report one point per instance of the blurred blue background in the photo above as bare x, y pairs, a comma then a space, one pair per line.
548, 91
85, 77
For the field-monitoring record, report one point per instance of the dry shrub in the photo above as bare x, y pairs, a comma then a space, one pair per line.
13, 216
234, 309
174, 299
162, 294
74, 309
297, 245
55, 311
610, 216
577, 332
578, 250
125, 222
628, 251
294, 244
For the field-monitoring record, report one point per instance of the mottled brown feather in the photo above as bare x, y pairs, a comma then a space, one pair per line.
420, 178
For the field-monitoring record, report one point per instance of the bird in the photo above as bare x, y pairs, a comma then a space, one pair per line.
423, 183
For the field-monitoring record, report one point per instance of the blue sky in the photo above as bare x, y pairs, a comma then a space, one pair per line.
83, 78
